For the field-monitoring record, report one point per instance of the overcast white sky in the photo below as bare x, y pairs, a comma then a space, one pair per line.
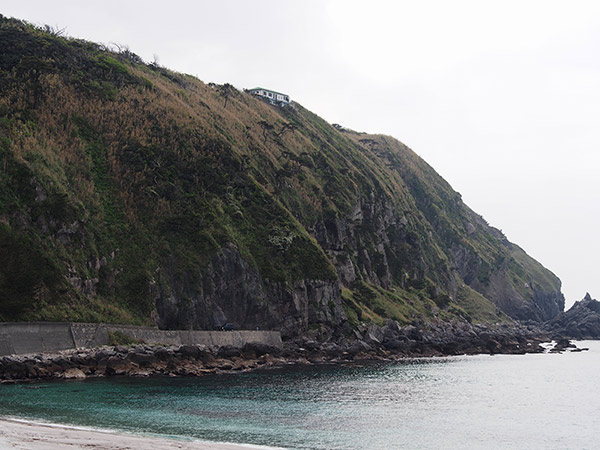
501, 98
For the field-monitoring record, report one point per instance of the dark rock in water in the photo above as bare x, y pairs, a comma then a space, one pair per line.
564, 344
582, 321
561, 345
493, 346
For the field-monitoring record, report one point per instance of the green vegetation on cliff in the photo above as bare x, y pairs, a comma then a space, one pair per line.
130, 193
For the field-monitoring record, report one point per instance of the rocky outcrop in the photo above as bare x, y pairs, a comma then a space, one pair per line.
521, 299
548, 304
356, 253
377, 244
227, 290
581, 321
533, 304
230, 290
425, 339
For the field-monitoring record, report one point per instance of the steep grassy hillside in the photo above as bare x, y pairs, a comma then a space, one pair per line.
130, 193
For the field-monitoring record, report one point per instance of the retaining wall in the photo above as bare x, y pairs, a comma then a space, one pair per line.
39, 337
34, 337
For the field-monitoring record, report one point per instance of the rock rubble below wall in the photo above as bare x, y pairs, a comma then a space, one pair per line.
389, 342
138, 360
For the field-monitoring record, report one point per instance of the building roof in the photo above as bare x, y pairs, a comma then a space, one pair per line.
270, 90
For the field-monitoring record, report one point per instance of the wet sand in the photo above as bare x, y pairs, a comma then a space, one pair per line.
22, 435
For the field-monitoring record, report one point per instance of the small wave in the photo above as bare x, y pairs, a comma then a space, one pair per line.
61, 425
123, 432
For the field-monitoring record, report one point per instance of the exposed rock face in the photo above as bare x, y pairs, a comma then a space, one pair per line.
229, 290
370, 244
538, 305
582, 321
376, 243
547, 304
495, 281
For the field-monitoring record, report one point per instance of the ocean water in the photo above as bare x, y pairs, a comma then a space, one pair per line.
544, 401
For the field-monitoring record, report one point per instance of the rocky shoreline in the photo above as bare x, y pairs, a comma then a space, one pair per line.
581, 321
389, 342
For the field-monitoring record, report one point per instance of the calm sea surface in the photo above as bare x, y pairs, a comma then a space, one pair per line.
547, 401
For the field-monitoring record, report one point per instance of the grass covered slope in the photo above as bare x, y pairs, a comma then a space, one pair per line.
130, 193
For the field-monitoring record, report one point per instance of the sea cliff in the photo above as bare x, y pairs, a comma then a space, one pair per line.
133, 194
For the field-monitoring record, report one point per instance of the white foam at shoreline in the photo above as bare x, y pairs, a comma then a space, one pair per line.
177, 441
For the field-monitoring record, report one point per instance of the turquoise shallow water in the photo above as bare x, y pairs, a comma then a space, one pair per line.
479, 402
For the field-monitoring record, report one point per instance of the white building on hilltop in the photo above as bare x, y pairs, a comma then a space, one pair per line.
272, 96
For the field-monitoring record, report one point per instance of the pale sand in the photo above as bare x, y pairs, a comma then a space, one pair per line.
22, 435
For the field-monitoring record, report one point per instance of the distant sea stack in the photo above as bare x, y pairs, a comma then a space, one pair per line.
581, 321
130, 193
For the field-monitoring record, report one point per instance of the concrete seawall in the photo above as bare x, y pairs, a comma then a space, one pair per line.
39, 337
35, 337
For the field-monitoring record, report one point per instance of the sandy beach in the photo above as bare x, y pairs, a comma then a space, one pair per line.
17, 434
